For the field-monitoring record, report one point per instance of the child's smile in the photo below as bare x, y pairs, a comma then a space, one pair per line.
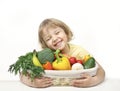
58, 43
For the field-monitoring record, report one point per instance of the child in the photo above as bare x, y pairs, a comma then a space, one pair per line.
55, 34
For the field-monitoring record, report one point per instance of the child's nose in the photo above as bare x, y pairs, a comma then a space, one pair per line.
54, 38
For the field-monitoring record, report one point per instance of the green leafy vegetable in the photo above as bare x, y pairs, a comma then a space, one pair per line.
25, 66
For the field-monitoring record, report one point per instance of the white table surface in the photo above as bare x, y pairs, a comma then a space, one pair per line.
107, 85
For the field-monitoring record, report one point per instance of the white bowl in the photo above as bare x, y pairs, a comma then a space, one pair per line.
70, 73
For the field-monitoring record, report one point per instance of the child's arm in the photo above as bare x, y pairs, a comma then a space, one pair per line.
89, 81
37, 82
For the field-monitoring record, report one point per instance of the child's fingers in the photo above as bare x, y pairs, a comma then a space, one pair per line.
82, 81
85, 75
43, 82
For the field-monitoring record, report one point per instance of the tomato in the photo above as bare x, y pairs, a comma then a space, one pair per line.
72, 60
80, 61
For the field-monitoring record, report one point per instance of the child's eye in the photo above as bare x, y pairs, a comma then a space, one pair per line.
57, 32
47, 39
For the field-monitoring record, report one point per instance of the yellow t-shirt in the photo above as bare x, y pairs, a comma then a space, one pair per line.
77, 51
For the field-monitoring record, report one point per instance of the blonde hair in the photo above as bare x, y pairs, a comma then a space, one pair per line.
52, 23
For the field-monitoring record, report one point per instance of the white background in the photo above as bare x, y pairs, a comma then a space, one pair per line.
95, 24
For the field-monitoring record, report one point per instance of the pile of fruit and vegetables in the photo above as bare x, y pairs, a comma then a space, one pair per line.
35, 63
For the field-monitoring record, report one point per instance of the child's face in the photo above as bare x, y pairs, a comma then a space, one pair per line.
55, 38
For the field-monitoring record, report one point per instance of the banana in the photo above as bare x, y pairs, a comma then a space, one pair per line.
35, 60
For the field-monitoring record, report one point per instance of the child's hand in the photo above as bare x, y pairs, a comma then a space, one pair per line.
37, 82
85, 81
43, 82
